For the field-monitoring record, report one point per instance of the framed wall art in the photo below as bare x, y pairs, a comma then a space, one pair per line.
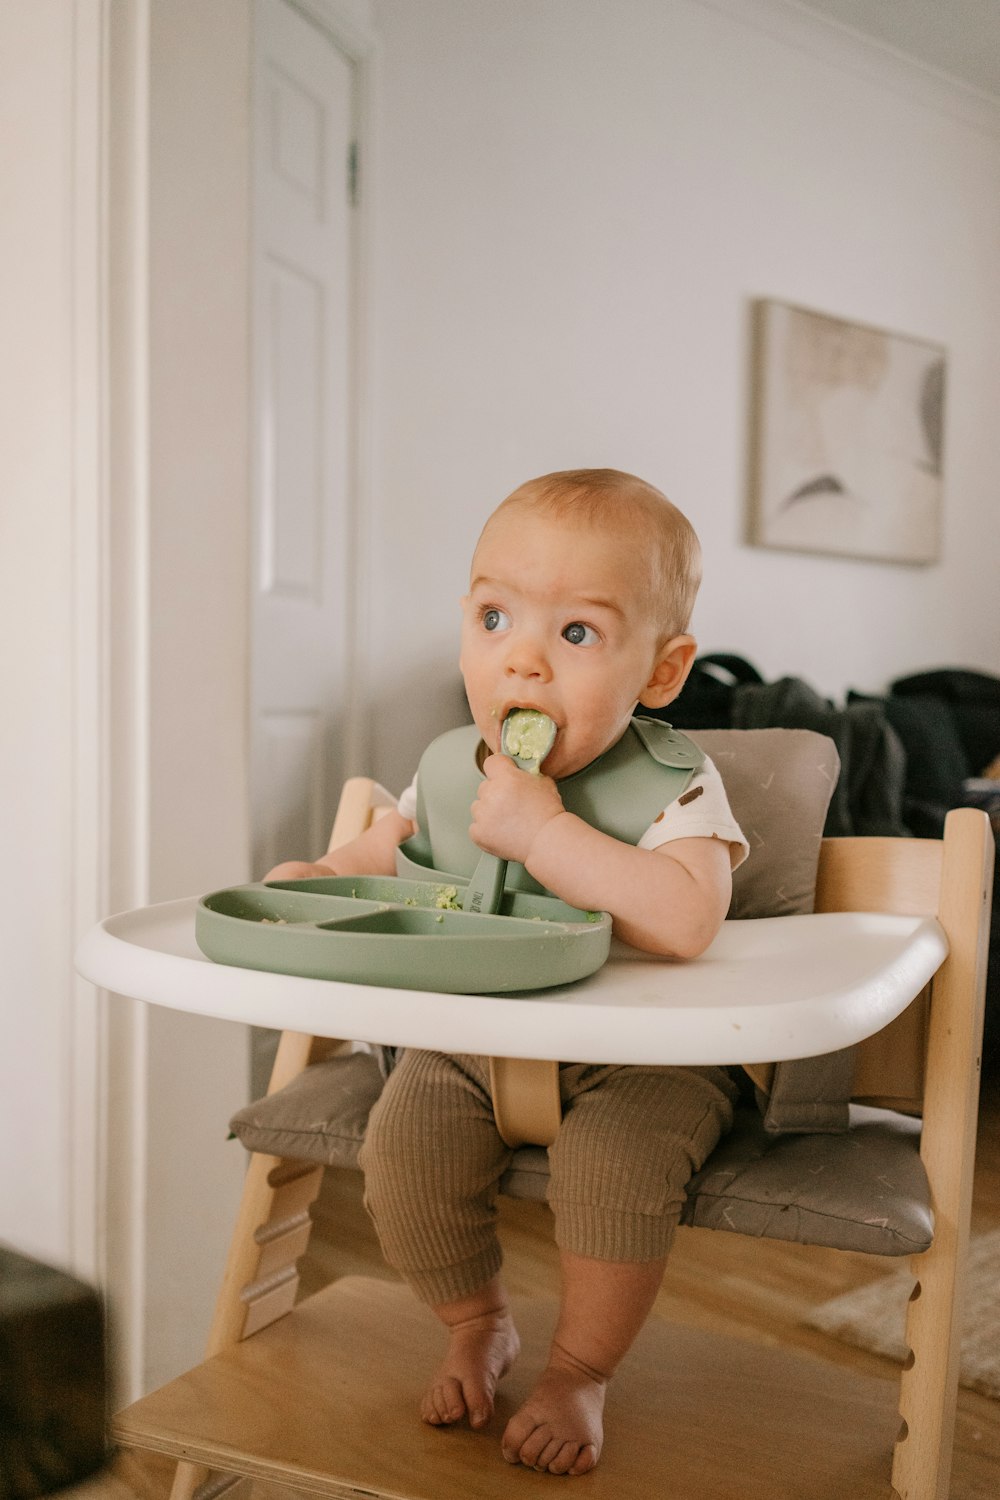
847, 437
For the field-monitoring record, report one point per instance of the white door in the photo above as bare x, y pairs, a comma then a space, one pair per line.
301, 581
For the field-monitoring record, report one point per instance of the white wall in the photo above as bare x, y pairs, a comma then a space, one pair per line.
36, 627
577, 203
198, 625
123, 612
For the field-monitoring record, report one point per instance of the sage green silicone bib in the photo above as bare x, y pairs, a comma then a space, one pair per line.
621, 793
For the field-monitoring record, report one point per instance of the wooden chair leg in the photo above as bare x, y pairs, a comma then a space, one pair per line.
928, 1394
273, 1225
196, 1479
921, 1467
272, 1231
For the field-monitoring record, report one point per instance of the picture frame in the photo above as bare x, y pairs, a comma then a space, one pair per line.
847, 441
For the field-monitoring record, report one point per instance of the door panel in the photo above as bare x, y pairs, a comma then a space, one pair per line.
292, 491
290, 750
302, 359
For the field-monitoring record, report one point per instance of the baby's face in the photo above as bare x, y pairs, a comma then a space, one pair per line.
555, 620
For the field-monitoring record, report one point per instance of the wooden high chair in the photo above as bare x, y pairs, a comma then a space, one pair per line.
320, 1395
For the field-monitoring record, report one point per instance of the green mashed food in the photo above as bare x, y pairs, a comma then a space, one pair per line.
527, 735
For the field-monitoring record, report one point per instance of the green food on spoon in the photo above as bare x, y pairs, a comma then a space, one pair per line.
527, 737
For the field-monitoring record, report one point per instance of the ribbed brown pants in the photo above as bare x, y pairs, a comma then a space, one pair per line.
630, 1139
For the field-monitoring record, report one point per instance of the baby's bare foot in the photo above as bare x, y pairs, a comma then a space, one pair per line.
480, 1352
560, 1427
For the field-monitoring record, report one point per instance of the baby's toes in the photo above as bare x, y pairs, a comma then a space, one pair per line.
551, 1452
429, 1410
564, 1459
480, 1410
585, 1461
530, 1450
443, 1404
516, 1434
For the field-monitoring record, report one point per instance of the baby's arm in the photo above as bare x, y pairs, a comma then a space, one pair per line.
670, 901
372, 853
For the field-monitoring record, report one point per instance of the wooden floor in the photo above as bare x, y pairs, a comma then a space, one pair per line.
758, 1291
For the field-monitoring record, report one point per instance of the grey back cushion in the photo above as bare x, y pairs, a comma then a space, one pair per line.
779, 783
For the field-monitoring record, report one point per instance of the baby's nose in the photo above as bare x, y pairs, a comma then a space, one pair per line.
527, 658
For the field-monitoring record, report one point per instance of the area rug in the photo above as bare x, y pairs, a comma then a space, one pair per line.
873, 1317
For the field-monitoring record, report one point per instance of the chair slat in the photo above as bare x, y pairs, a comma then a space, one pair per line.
901, 876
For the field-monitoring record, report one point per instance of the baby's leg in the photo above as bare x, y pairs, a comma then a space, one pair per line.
629, 1142
482, 1346
603, 1306
432, 1159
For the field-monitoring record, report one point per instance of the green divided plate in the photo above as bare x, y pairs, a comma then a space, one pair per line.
404, 934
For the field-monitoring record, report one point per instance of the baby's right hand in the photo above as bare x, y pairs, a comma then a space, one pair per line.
299, 870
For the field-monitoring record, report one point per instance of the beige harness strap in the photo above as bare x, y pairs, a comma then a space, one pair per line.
526, 1102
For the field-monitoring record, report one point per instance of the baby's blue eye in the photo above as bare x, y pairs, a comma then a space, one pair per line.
495, 619
579, 634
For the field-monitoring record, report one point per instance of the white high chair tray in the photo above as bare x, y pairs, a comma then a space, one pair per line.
765, 991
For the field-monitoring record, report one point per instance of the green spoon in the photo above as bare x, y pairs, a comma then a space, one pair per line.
527, 737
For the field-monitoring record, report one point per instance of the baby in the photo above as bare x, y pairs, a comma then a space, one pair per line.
581, 591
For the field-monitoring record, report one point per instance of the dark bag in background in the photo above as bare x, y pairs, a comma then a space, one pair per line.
706, 699
973, 700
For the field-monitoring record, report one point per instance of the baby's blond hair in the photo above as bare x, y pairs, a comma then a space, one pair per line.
668, 554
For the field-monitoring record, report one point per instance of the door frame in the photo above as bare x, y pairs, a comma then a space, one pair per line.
87, 1161
107, 1096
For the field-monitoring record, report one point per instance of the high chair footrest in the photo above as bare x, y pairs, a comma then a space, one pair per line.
281, 1406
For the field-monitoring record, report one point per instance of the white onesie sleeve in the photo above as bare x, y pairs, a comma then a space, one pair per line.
702, 812
407, 804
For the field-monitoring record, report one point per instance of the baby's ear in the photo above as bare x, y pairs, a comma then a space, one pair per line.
673, 663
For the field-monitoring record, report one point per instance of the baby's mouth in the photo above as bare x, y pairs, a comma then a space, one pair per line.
500, 713
528, 735
505, 712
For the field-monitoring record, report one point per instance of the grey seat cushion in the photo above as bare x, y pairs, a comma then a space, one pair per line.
863, 1190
